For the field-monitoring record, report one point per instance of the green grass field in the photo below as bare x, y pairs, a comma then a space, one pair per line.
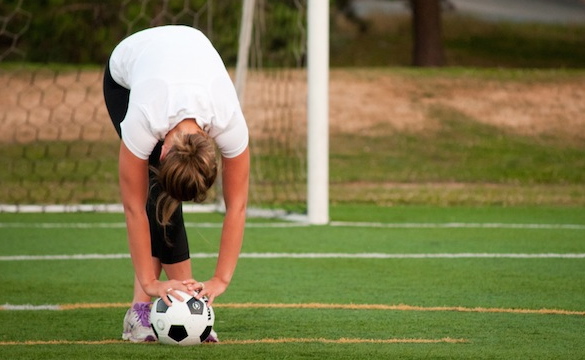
485, 260
483, 283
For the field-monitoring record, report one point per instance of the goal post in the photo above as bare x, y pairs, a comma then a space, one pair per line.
244, 43
318, 112
317, 100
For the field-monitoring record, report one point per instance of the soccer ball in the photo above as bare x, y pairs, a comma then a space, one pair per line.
185, 323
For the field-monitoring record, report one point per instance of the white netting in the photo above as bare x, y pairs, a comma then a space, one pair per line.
57, 143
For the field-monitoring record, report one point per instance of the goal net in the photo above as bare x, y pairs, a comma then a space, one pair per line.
58, 147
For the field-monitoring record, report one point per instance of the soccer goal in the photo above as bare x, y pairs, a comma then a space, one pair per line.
59, 150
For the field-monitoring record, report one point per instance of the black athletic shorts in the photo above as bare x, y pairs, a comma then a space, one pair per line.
116, 98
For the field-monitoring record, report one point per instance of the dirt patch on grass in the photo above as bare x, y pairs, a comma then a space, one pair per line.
370, 100
531, 109
49, 105
366, 101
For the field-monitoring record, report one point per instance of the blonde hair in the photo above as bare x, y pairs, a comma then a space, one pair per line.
186, 173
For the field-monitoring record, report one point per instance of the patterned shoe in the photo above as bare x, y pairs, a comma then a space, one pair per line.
212, 338
137, 324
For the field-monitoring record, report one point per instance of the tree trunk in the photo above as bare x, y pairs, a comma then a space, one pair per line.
427, 38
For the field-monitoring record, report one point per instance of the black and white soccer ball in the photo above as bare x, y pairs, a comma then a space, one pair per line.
187, 322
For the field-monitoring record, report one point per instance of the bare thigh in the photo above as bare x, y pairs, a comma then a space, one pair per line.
178, 271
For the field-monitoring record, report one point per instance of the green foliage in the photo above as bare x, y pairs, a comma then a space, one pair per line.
60, 31
282, 37
467, 42
86, 32
472, 42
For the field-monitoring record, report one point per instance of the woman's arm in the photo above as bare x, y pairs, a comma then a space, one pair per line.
133, 173
235, 178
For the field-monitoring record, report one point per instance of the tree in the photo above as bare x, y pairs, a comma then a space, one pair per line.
427, 37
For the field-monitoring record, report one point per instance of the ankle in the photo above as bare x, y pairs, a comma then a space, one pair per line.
141, 300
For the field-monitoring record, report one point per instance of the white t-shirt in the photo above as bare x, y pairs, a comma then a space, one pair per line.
174, 73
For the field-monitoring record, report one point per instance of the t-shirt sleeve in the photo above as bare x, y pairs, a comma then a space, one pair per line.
229, 129
136, 134
233, 140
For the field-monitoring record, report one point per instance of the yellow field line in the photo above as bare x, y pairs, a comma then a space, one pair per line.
62, 342
399, 307
252, 341
94, 306
345, 341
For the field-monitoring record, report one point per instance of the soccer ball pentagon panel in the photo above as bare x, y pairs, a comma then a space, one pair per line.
185, 323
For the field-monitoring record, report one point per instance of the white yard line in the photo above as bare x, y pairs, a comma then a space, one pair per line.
321, 306
450, 225
313, 256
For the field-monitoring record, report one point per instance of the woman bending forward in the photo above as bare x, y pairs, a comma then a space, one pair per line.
173, 104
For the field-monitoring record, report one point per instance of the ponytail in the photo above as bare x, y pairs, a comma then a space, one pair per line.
186, 173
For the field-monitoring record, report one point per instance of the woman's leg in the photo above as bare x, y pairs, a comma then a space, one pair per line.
116, 98
178, 271
136, 326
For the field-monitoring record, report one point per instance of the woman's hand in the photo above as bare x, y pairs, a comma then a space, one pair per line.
212, 288
170, 287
